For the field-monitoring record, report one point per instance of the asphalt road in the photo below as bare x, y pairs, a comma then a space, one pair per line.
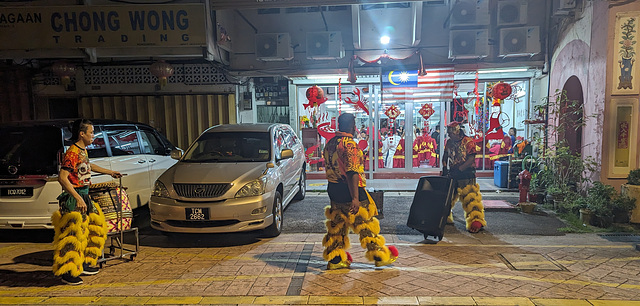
307, 216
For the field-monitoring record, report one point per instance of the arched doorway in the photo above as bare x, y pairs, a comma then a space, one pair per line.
572, 114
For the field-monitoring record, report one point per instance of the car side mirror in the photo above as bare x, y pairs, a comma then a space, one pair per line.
176, 154
286, 153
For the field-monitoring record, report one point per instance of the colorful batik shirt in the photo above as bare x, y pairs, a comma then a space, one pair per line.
342, 155
76, 161
457, 152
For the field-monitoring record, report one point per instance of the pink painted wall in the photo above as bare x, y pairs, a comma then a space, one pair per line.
588, 59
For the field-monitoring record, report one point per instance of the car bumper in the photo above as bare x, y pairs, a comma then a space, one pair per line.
25, 223
225, 216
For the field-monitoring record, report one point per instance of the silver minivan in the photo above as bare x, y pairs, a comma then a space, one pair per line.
30, 156
233, 178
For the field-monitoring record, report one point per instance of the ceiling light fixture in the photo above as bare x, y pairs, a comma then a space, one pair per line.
385, 40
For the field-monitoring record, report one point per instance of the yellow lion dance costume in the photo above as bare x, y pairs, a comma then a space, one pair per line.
471, 200
79, 238
340, 221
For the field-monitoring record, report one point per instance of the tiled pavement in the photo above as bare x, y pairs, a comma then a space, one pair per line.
463, 269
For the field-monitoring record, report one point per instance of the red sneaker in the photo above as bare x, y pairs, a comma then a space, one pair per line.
475, 227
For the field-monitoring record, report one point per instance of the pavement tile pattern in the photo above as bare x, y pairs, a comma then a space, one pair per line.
463, 269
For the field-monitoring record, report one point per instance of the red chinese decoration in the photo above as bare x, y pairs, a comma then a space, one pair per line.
315, 95
360, 101
426, 110
392, 112
501, 90
162, 70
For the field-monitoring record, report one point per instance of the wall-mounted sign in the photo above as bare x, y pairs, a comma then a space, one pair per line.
102, 26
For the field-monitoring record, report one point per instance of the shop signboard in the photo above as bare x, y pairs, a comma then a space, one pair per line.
57, 27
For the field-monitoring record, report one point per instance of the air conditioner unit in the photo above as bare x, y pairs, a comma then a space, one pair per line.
274, 47
469, 13
512, 12
521, 41
563, 7
324, 45
468, 44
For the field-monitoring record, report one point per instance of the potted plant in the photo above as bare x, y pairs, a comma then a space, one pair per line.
632, 190
599, 201
622, 207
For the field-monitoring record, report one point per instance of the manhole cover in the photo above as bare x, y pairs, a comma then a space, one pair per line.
531, 262
621, 237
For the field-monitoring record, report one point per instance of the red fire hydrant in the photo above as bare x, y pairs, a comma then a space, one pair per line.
525, 180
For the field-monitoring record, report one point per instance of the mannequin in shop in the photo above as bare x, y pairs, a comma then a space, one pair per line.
496, 120
398, 156
392, 141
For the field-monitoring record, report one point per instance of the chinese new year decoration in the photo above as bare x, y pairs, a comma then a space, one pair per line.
426, 111
315, 96
162, 70
359, 103
392, 112
501, 90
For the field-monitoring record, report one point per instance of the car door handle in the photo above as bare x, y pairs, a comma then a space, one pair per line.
142, 161
152, 160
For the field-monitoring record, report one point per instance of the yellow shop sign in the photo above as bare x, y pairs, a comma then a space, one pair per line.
102, 26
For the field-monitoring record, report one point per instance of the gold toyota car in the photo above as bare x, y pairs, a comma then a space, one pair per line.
233, 178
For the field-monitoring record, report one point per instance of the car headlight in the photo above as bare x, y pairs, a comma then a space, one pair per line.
159, 190
253, 188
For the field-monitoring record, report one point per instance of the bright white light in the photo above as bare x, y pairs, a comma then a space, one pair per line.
385, 39
503, 70
327, 76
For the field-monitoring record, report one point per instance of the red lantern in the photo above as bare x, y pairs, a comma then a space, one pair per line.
315, 95
501, 90
65, 71
162, 70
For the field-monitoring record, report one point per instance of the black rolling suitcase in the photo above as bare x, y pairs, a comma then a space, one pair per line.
431, 206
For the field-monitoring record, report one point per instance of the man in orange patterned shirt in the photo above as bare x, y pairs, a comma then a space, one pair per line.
351, 206
458, 162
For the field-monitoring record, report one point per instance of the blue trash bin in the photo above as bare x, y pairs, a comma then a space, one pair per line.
501, 173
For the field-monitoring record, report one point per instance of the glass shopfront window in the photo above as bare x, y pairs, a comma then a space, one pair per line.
406, 132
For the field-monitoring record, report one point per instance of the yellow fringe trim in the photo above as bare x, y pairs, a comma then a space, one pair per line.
377, 240
475, 215
74, 234
362, 213
373, 226
328, 213
337, 252
329, 240
383, 254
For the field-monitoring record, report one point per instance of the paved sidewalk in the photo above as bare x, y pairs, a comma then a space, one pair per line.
463, 269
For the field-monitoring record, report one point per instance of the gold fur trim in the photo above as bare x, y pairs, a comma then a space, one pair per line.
475, 216
327, 212
70, 237
337, 252
330, 240
376, 240
373, 226
383, 254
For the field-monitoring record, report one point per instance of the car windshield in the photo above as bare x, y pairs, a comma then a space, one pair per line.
30, 150
230, 147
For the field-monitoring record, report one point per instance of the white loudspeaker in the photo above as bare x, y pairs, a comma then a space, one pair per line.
274, 47
520, 41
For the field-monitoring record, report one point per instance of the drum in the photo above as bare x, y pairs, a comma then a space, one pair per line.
106, 196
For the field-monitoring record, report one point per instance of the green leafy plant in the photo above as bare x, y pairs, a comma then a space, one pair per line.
634, 177
599, 199
623, 203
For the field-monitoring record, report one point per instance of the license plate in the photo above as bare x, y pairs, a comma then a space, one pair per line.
200, 213
17, 192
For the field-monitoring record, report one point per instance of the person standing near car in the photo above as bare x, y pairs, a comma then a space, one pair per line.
79, 224
351, 206
458, 162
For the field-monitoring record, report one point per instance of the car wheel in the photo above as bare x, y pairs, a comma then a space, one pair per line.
276, 227
303, 187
